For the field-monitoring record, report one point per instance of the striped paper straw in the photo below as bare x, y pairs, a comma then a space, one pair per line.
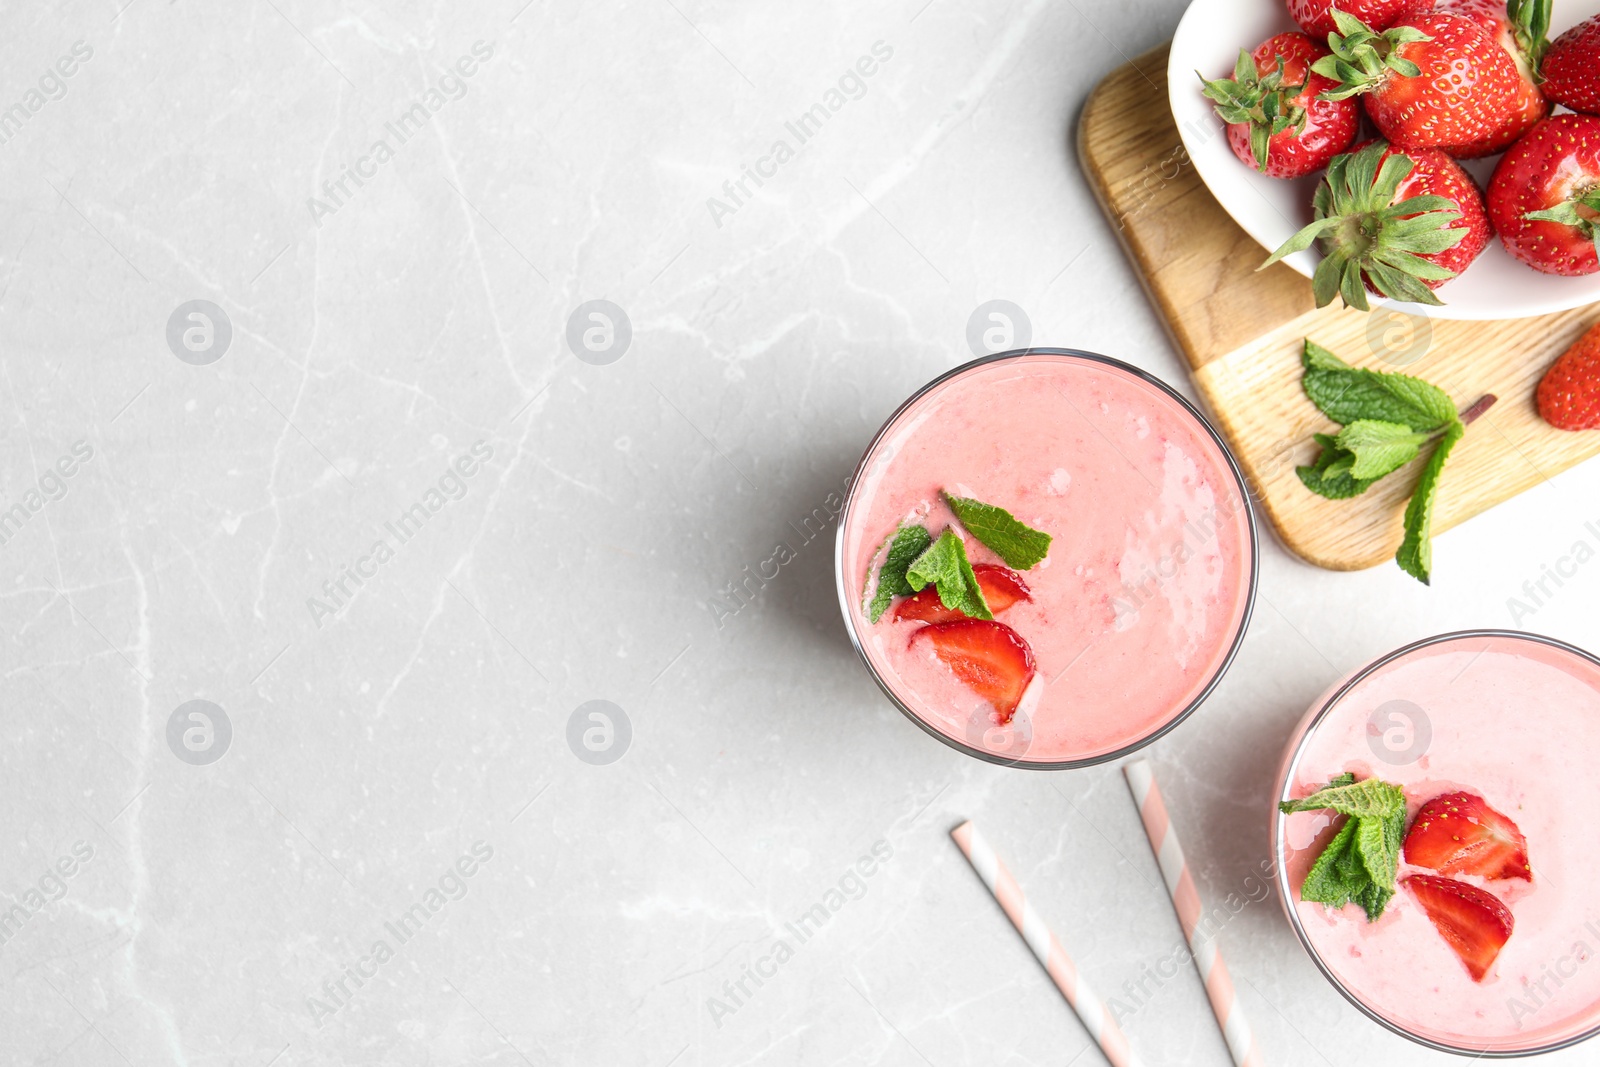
1057, 964
1180, 886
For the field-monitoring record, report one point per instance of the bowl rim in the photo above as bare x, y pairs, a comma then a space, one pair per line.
845, 603
1291, 761
1303, 262
1453, 309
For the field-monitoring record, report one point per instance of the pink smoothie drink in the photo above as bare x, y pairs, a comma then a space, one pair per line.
1147, 586
1513, 719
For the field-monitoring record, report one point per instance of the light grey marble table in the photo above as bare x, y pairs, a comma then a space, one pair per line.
392, 215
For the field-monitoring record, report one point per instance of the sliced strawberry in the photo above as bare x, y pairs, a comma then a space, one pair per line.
1459, 833
1002, 587
990, 657
1476, 924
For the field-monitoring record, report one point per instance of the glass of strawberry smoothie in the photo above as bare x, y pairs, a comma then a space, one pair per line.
1489, 944
1134, 612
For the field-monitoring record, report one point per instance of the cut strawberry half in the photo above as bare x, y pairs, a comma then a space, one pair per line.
1459, 833
990, 657
1002, 587
1475, 923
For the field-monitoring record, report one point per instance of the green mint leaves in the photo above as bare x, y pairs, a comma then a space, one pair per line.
1330, 475
1387, 420
1360, 863
908, 543
1368, 798
1416, 551
944, 565
915, 560
1379, 448
1020, 545
1347, 394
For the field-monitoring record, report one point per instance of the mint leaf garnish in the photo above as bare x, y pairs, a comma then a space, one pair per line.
909, 542
1345, 795
1330, 475
1379, 448
944, 565
1338, 876
1360, 863
1388, 419
1349, 394
1020, 545
1416, 551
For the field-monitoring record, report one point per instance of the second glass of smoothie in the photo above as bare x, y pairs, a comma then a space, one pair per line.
1487, 947
1139, 605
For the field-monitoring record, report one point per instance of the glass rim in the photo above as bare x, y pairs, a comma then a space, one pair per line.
841, 585
1281, 873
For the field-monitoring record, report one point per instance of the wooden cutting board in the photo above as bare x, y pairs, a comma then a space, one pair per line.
1243, 332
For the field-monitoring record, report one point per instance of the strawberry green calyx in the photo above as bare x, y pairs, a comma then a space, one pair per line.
1260, 100
1567, 213
1363, 58
1530, 25
1367, 238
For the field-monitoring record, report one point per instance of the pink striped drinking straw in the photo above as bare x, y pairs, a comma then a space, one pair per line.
1057, 964
1175, 872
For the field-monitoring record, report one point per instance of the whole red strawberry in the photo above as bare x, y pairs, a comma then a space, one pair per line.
1519, 26
1571, 68
1569, 395
1276, 120
1544, 197
1316, 16
1397, 223
1428, 80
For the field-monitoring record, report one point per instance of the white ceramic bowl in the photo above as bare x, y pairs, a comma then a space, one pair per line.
1208, 40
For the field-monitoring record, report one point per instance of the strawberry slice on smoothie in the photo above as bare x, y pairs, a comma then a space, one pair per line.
1459, 833
1002, 587
1474, 923
990, 657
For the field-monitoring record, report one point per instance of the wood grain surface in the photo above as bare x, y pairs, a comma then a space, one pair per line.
1242, 333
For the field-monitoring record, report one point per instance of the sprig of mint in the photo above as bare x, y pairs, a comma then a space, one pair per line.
944, 565
915, 560
1387, 420
1020, 545
1361, 861
1346, 394
909, 542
